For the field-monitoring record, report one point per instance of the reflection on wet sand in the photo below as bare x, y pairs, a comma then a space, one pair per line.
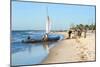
46, 46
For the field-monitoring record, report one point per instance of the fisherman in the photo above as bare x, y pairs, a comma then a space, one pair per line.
28, 38
45, 37
85, 32
75, 33
69, 33
79, 32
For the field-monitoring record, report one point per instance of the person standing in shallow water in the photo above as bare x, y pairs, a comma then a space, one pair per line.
28, 38
45, 37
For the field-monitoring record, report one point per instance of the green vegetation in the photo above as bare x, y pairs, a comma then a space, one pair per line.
81, 26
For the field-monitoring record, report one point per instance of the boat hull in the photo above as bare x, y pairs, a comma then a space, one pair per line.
51, 38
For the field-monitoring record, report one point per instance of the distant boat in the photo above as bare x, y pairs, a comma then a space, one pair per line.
46, 37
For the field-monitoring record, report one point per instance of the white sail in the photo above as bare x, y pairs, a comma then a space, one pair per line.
48, 25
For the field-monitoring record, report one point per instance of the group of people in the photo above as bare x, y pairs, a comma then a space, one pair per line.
77, 33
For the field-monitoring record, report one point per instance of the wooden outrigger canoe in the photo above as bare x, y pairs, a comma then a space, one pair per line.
50, 38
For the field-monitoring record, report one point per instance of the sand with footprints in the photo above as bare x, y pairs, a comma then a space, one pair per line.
72, 50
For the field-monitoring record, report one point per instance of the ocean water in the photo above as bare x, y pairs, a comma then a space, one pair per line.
29, 53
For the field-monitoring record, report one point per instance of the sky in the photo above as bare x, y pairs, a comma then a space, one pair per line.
33, 16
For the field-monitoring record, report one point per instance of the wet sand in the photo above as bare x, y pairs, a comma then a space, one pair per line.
72, 50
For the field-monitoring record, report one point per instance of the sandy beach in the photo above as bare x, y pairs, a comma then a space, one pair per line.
72, 50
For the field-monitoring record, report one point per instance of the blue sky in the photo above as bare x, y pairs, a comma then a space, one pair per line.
33, 16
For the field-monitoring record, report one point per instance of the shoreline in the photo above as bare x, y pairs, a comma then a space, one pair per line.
72, 50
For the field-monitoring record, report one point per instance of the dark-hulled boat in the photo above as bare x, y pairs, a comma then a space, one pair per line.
47, 37
50, 38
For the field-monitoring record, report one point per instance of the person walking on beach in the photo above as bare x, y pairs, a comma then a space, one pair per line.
84, 31
69, 33
79, 32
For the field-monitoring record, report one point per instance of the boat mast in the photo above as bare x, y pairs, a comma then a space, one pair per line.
47, 22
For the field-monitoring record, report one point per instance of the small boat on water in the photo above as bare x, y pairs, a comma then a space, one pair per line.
46, 37
50, 38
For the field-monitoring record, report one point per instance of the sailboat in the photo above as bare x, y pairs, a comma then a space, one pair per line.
46, 37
